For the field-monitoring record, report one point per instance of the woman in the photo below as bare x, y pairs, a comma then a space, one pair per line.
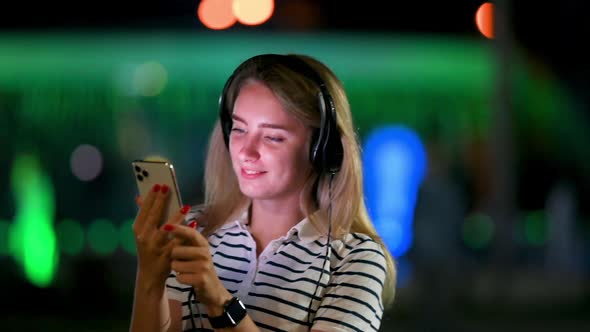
284, 242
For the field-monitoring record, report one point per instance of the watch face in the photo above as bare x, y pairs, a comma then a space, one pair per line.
235, 310
233, 313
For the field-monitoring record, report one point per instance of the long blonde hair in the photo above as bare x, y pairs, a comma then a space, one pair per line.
299, 95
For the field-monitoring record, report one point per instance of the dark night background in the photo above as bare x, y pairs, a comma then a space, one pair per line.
553, 34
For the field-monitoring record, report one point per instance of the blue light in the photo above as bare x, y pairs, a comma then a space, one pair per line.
394, 167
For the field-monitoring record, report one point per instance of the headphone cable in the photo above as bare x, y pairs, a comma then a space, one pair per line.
328, 247
190, 308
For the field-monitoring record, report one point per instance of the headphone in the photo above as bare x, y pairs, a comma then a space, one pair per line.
326, 151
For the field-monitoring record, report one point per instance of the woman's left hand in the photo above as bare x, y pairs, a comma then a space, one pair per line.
193, 264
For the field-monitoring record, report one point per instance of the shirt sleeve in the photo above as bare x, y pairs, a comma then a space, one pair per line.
175, 290
353, 300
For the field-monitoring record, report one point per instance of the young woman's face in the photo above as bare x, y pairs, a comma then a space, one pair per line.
269, 147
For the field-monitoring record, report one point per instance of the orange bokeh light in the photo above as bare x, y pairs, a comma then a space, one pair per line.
484, 18
253, 12
216, 14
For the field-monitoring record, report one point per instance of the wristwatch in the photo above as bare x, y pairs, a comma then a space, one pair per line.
233, 312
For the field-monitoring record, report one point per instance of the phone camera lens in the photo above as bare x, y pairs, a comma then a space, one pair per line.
139, 177
137, 169
145, 173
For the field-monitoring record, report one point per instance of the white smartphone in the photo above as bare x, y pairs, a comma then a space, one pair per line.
149, 173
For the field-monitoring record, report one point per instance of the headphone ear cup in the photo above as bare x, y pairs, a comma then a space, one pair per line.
226, 124
333, 150
328, 148
326, 152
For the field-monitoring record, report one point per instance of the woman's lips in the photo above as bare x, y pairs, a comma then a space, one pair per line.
251, 174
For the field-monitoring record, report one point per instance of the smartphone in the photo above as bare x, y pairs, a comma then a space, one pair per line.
149, 173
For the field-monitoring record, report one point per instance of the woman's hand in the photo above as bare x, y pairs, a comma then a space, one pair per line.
152, 242
192, 262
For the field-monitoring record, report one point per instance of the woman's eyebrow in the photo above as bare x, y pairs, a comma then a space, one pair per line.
262, 125
237, 118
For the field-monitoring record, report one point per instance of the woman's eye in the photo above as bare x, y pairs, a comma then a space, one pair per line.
237, 130
274, 138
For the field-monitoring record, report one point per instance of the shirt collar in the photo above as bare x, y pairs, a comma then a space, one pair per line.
304, 230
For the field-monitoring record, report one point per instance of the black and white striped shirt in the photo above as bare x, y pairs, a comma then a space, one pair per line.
277, 286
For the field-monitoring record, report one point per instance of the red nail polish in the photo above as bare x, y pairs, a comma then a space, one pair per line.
193, 224
168, 227
164, 189
156, 188
185, 209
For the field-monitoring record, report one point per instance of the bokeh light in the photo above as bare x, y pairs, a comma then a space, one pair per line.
253, 12
126, 237
484, 19
86, 162
32, 239
478, 230
216, 14
156, 157
394, 162
535, 228
103, 237
70, 237
150, 79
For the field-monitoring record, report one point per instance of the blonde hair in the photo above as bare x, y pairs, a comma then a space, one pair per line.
298, 94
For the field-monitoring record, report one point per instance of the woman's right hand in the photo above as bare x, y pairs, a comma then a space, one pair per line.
152, 242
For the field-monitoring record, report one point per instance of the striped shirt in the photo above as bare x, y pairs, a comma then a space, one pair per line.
278, 286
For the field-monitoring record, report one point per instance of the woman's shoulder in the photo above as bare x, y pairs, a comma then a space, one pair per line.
357, 244
359, 254
196, 213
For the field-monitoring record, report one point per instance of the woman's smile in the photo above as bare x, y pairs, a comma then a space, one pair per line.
251, 174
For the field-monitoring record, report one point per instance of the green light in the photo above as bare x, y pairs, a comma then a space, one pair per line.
478, 231
4, 231
102, 237
126, 237
70, 237
535, 228
32, 238
438, 86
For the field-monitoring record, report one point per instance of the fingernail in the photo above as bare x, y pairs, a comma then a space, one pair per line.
156, 188
137, 199
185, 209
168, 227
164, 189
193, 224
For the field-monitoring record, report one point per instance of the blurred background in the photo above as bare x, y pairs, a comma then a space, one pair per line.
474, 119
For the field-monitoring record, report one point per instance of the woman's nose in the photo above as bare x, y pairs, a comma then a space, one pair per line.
249, 150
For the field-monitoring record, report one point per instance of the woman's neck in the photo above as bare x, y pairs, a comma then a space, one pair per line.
269, 221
